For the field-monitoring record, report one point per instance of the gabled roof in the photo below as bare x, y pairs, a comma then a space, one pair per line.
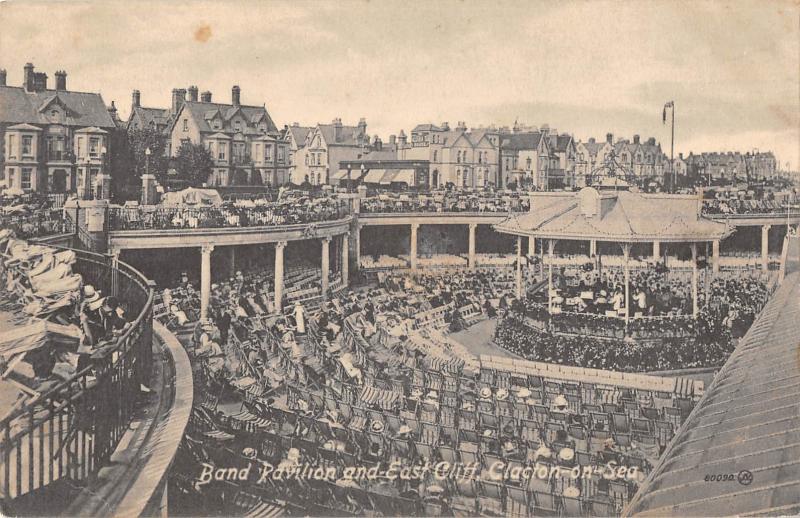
593, 147
202, 113
299, 134
521, 141
348, 136
457, 137
624, 216
560, 143
426, 127
82, 109
25, 127
156, 116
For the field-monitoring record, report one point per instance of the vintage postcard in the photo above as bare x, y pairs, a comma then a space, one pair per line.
378, 258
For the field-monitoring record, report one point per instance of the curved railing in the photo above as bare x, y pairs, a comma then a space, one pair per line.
37, 224
70, 430
272, 215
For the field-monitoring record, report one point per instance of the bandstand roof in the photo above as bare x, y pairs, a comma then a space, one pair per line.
619, 216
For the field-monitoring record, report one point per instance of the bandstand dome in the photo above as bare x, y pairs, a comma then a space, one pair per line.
620, 216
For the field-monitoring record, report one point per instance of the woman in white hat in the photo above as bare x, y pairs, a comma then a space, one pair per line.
560, 403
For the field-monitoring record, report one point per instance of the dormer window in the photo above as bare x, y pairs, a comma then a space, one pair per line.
262, 127
54, 113
185, 125
237, 126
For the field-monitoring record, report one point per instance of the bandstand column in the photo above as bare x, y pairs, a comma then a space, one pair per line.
326, 259
656, 251
205, 279
715, 255
345, 260
232, 260
694, 280
357, 247
592, 247
626, 253
472, 227
531, 246
551, 245
519, 267
413, 252
765, 246
279, 246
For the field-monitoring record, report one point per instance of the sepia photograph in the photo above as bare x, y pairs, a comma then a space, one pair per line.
382, 258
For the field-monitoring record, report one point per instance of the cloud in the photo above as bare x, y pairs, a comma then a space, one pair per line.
732, 67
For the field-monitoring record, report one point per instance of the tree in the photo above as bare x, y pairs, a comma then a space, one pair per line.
193, 163
139, 141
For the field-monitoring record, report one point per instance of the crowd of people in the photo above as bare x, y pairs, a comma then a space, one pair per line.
31, 215
230, 214
734, 205
60, 321
446, 201
643, 344
343, 383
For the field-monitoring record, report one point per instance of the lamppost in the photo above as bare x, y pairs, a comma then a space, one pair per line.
671, 106
147, 160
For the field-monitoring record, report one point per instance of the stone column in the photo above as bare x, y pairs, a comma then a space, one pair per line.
326, 258
765, 246
656, 251
519, 267
551, 245
279, 246
205, 279
531, 246
345, 260
413, 252
357, 247
232, 260
472, 227
694, 280
592, 247
715, 255
626, 253
115, 271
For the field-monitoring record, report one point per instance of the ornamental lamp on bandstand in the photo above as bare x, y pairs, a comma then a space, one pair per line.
148, 182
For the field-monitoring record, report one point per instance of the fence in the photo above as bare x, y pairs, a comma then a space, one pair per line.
38, 224
70, 430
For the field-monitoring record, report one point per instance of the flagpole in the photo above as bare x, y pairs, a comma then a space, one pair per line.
672, 149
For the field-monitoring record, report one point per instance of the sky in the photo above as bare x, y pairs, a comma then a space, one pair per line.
583, 67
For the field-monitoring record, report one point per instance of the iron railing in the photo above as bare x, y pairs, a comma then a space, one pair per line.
268, 215
37, 224
70, 430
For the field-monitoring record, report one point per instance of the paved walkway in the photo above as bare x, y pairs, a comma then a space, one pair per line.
478, 339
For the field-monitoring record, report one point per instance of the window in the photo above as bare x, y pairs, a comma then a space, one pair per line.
221, 151
10, 176
281, 156
94, 146
80, 147
12, 147
26, 178
27, 145
185, 125
528, 163
217, 124
262, 127
318, 158
55, 148
237, 126
258, 152
435, 157
54, 113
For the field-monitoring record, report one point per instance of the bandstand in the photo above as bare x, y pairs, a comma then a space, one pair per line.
619, 217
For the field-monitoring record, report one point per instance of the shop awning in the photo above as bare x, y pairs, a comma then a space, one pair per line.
342, 174
404, 176
388, 176
374, 176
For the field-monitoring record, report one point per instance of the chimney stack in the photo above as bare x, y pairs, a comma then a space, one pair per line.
205, 97
362, 126
610, 138
402, 140
136, 99
462, 126
112, 111
39, 82
28, 80
636, 139
651, 141
192, 93
392, 140
236, 95
446, 126
591, 140
378, 143
337, 130
61, 80
178, 97
2, 77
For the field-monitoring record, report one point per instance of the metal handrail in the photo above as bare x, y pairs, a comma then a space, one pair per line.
80, 421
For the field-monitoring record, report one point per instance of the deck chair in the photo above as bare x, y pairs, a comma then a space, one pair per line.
468, 451
572, 506
464, 501
664, 432
545, 504
601, 508
517, 502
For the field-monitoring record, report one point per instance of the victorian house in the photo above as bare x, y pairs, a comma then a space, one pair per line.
461, 158
53, 140
591, 159
526, 159
295, 136
244, 142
